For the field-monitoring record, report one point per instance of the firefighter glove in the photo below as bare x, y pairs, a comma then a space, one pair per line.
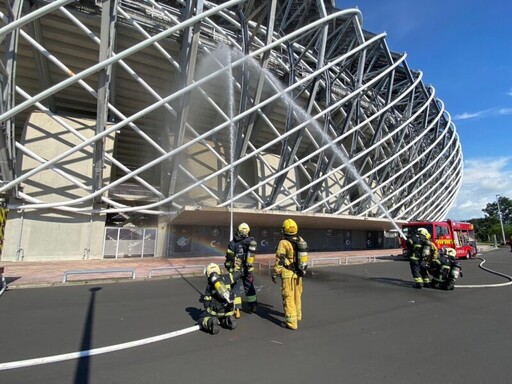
274, 278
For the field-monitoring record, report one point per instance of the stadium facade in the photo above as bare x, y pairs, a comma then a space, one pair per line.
150, 128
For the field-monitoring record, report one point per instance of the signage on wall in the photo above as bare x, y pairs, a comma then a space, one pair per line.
183, 244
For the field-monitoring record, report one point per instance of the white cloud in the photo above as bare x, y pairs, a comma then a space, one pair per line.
484, 113
505, 111
509, 92
483, 179
467, 115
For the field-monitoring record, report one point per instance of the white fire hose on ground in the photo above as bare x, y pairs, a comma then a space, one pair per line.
488, 285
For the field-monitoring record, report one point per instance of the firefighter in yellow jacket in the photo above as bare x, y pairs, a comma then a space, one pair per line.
291, 264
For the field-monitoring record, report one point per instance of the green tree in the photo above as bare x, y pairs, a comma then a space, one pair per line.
491, 209
483, 228
490, 225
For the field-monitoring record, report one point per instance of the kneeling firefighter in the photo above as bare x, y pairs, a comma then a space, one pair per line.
291, 264
240, 256
445, 270
421, 253
218, 300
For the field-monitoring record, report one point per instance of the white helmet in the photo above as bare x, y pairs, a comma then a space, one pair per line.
450, 252
212, 268
424, 232
243, 230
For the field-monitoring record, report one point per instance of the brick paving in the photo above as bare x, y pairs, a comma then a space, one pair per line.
31, 274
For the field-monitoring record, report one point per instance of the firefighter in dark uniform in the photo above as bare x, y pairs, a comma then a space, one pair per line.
440, 268
218, 300
240, 256
291, 264
421, 253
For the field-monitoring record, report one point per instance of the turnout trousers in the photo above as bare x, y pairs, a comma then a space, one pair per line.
291, 291
419, 272
245, 286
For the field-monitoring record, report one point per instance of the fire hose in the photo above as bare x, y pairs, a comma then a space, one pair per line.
488, 285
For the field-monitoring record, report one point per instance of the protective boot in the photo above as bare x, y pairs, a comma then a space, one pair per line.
284, 324
228, 322
237, 313
214, 325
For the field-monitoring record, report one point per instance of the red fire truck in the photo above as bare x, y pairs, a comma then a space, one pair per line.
453, 234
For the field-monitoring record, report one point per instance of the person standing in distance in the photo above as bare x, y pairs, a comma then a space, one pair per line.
240, 256
291, 264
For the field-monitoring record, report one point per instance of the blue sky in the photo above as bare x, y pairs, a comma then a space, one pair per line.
464, 49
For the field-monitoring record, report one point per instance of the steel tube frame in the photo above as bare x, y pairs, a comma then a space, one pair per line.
374, 108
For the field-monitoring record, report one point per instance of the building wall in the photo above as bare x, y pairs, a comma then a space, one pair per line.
192, 241
56, 235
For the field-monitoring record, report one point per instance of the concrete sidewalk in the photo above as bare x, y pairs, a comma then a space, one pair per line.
26, 274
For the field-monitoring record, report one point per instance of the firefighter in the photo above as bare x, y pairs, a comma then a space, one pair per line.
218, 300
240, 256
421, 252
440, 267
291, 264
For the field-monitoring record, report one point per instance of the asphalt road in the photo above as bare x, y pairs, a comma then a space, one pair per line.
362, 324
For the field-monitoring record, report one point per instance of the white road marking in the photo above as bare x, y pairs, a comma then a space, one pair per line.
95, 351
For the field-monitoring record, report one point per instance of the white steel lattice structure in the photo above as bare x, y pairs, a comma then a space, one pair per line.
269, 105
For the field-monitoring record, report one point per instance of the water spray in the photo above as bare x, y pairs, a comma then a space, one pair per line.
231, 140
300, 112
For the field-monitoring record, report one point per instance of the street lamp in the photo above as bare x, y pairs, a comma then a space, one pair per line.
501, 220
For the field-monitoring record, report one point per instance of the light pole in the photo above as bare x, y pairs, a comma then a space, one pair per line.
501, 220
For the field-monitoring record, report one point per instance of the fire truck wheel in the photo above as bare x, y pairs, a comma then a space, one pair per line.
468, 255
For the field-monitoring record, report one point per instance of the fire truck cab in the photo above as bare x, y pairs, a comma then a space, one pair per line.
453, 234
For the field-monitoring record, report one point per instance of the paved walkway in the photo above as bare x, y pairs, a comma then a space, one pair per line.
57, 273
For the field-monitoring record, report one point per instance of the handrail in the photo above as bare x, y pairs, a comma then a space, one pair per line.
369, 257
322, 259
175, 268
97, 271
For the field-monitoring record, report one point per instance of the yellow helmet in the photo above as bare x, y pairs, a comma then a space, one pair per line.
243, 230
424, 232
451, 252
290, 227
212, 268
